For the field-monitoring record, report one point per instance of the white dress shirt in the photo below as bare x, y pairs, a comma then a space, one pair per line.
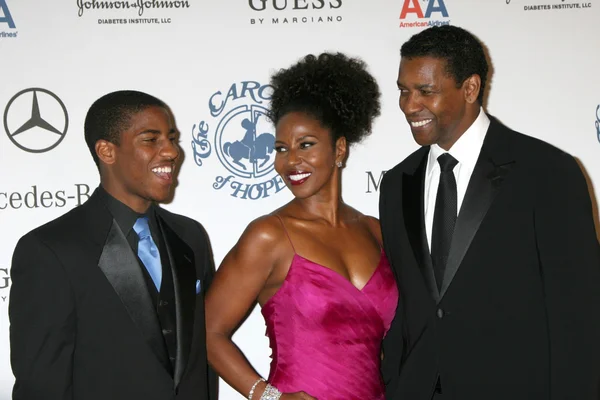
466, 151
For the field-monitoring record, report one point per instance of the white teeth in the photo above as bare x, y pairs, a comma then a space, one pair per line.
417, 124
299, 177
162, 170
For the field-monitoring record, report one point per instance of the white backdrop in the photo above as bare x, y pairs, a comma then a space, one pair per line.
544, 61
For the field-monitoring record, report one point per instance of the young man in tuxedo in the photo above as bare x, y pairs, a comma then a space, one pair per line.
492, 238
107, 301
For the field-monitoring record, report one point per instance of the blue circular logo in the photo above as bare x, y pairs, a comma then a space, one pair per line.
244, 142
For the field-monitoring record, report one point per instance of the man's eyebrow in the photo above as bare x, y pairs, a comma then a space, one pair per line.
152, 131
156, 131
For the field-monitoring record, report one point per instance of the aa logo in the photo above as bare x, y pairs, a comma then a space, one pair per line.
412, 10
5, 16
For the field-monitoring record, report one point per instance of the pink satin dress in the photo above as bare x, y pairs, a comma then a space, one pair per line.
325, 334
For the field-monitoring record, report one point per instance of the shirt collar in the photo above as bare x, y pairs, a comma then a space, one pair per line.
124, 215
467, 148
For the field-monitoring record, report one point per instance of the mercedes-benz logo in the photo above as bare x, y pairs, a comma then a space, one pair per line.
36, 120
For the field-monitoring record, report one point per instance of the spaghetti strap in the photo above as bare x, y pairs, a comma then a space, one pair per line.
286, 233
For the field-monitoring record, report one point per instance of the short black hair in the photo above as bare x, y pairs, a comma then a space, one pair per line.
110, 115
461, 50
333, 88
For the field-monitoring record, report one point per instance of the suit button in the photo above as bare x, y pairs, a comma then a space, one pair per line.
163, 303
440, 313
167, 331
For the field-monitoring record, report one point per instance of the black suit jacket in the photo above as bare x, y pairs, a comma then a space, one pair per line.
518, 315
83, 325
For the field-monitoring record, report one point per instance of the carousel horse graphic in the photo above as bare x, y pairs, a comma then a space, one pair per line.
252, 148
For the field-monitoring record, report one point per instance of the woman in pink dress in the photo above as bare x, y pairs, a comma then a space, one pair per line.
315, 265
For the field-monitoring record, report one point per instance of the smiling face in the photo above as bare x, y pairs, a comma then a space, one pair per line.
438, 109
140, 169
306, 158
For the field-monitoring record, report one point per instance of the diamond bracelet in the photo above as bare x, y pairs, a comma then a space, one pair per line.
270, 393
259, 380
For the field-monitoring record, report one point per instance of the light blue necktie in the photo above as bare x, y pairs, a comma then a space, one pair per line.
147, 251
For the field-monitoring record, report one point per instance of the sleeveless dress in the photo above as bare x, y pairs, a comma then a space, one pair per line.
325, 334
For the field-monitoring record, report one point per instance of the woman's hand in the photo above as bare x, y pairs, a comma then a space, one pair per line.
297, 396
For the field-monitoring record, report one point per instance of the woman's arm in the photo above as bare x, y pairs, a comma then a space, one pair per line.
243, 275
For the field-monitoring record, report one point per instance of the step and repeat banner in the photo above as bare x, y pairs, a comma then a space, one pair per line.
210, 60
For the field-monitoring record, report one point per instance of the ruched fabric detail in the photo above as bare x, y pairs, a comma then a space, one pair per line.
325, 334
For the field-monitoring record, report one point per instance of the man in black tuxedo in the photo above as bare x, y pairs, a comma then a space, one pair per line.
491, 235
107, 301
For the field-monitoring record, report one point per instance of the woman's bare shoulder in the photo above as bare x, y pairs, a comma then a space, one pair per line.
264, 232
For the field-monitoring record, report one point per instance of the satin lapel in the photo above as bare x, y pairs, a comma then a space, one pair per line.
122, 269
181, 258
483, 187
414, 218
